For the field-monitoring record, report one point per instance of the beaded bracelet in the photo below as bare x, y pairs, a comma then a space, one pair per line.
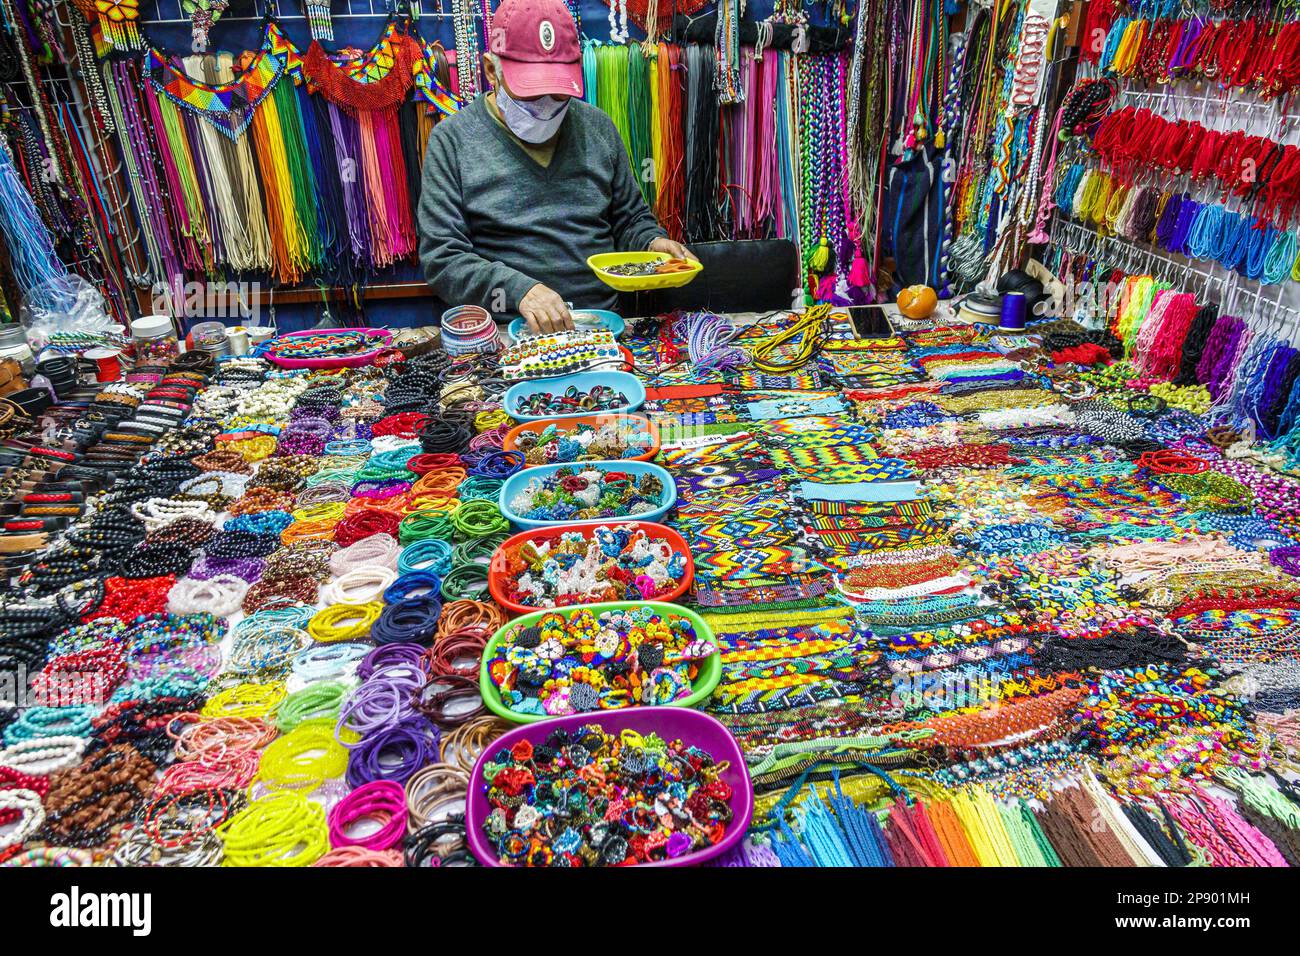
222, 595
301, 531
321, 511
356, 527
307, 756
212, 740
377, 550
137, 848
344, 622
327, 660
279, 591
176, 820
45, 755
359, 586
35, 723
245, 700
320, 700
283, 829
31, 816
52, 856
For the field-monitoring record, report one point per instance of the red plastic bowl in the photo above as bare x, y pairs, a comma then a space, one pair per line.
497, 574
690, 726
563, 425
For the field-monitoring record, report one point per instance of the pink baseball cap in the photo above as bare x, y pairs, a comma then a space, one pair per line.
537, 44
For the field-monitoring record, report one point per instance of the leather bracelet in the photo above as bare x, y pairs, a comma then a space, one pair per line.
422, 845
459, 652
449, 700
410, 621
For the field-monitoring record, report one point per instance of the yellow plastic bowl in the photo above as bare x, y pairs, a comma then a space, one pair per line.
671, 280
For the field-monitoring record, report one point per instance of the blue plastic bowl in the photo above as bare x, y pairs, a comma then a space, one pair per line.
623, 382
516, 482
600, 319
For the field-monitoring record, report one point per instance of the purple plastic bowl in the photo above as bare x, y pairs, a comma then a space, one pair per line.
690, 726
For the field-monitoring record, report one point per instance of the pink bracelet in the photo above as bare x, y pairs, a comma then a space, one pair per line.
383, 801
359, 856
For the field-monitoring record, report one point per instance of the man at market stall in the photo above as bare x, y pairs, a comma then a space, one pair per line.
527, 181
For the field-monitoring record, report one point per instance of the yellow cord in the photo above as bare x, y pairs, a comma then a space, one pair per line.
306, 757
284, 829
245, 700
344, 622
808, 331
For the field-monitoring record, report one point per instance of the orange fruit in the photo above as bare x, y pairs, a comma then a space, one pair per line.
917, 301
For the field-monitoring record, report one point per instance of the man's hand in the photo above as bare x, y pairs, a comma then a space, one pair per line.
544, 310
674, 249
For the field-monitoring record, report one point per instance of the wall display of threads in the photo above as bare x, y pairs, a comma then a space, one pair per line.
872, 147
203, 143
284, 161
1178, 137
59, 207
1183, 329
162, 163
1003, 77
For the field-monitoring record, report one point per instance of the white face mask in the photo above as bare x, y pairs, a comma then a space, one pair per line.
533, 121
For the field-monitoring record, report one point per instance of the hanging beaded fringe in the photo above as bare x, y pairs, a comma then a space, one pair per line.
121, 27
318, 19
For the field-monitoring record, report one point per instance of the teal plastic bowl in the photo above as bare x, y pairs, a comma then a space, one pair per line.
582, 319
623, 382
516, 483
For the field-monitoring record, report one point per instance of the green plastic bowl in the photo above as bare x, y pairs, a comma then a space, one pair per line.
707, 679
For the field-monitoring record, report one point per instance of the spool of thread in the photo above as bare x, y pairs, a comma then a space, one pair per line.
1015, 308
108, 364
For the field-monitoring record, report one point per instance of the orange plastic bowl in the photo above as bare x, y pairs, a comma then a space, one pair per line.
563, 425
497, 573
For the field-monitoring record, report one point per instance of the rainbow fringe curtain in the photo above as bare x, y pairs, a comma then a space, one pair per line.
293, 187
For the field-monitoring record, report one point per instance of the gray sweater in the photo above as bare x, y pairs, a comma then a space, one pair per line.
494, 222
